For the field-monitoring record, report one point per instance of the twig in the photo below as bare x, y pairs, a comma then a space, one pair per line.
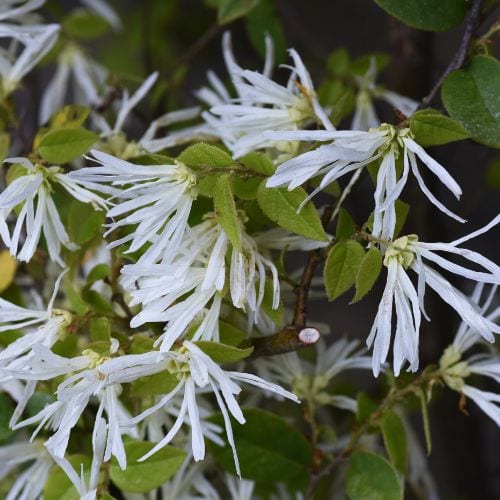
287, 340
471, 23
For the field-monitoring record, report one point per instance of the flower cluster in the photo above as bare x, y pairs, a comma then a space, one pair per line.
133, 341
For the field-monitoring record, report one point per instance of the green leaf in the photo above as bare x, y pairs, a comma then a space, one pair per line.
230, 334
70, 116
225, 208
100, 304
371, 477
66, 144
338, 62
245, 189
366, 406
425, 419
77, 303
222, 353
493, 174
98, 273
341, 267
429, 15
6, 411
346, 227
58, 486
100, 329
368, 272
141, 477
471, 96
264, 19
85, 25
394, 434
259, 162
269, 449
205, 155
230, 10
281, 205
4, 146
153, 385
431, 128
84, 222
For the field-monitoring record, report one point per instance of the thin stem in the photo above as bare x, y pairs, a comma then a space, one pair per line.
471, 24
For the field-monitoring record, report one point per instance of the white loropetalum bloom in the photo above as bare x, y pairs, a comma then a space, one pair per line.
195, 369
409, 253
353, 150
32, 191
263, 105
87, 78
35, 41
156, 199
199, 270
455, 368
12, 10
310, 381
365, 116
29, 483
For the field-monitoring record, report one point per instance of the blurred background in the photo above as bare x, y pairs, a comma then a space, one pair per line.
182, 40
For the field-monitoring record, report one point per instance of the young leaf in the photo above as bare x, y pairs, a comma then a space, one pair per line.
368, 272
259, 162
265, 19
470, 95
66, 144
100, 329
431, 128
222, 353
394, 434
430, 15
58, 485
98, 273
346, 227
230, 334
225, 209
281, 205
153, 385
8, 267
85, 25
70, 116
269, 449
341, 267
84, 222
230, 10
371, 476
141, 477
205, 155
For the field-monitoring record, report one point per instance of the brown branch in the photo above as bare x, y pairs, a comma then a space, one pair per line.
287, 340
471, 24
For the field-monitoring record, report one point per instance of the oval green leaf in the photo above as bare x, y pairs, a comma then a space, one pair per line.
368, 272
429, 15
394, 434
226, 212
371, 477
66, 144
281, 205
471, 96
431, 128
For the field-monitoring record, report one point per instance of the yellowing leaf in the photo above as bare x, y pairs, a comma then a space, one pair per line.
8, 267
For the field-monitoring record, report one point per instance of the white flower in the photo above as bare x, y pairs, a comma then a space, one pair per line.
310, 380
87, 79
29, 483
213, 94
197, 370
263, 105
353, 150
409, 253
38, 214
88, 375
455, 369
365, 116
14, 9
156, 199
199, 269
35, 40
88, 491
